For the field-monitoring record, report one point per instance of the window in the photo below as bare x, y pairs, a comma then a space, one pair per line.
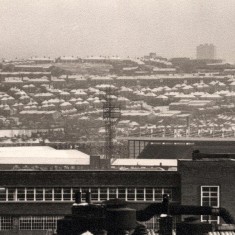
140, 194
131, 194
48, 194
153, 223
131, 149
158, 193
57, 194
50, 222
149, 194
103, 194
168, 191
84, 192
21, 194
38, 222
94, 194
66, 194
30, 194
6, 223
39, 194
137, 148
142, 145
3, 194
74, 191
25, 223
112, 193
97, 194
210, 197
12, 194
122, 193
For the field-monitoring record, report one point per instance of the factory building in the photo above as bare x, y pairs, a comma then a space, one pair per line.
176, 148
33, 198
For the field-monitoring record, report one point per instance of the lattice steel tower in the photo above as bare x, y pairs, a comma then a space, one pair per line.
111, 115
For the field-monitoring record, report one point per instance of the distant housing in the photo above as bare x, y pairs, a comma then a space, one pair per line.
68, 59
42, 60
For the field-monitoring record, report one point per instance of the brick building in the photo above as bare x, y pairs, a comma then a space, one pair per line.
32, 199
208, 183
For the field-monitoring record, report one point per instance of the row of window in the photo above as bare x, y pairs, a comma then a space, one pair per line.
97, 194
38, 222
210, 196
29, 222
50, 223
136, 147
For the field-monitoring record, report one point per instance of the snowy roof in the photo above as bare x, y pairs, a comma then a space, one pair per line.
41, 58
68, 58
164, 69
42, 155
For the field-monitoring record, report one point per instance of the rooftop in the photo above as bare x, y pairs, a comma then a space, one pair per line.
180, 139
48, 156
145, 162
42, 155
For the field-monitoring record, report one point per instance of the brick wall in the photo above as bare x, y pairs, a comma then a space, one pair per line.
89, 178
194, 174
18, 179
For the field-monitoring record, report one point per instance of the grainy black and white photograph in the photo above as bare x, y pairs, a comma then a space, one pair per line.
117, 117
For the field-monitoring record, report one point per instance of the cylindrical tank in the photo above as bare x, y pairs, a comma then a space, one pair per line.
120, 219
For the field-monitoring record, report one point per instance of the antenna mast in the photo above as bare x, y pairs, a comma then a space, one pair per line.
111, 115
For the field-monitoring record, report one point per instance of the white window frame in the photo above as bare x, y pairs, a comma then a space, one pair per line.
6, 223
34, 222
81, 189
218, 201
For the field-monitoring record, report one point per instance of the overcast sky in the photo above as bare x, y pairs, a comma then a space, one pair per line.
171, 28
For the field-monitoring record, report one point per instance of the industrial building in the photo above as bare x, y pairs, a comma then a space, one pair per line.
40, 190
176, 148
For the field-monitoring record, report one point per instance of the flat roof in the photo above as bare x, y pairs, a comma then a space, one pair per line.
145, 162
180, 139
42, 155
